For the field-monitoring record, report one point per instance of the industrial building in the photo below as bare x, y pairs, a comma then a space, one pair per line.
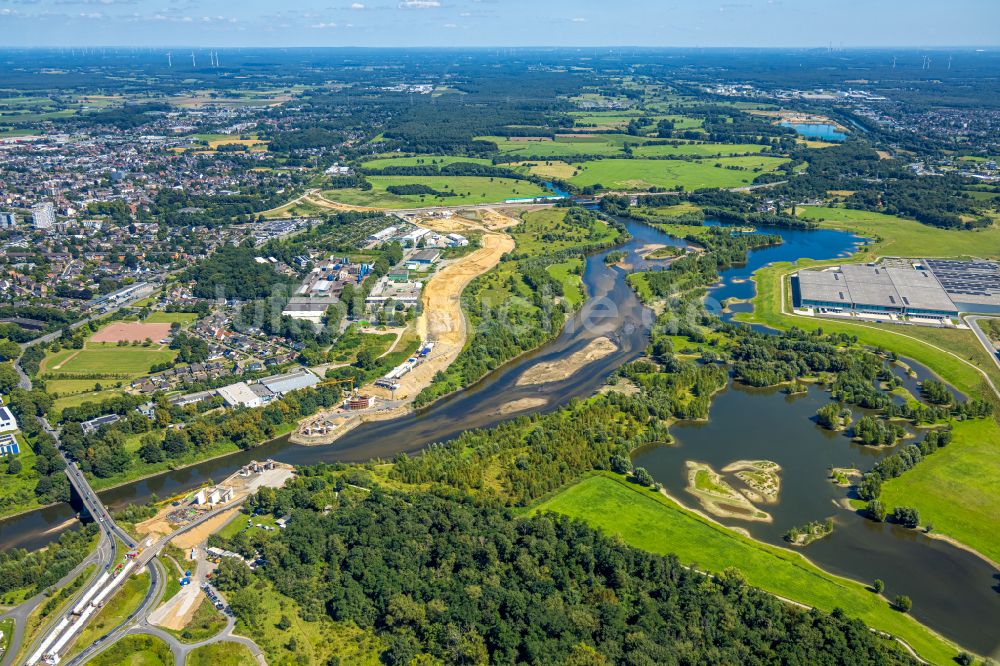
875, 290
290, 381
383, 235
425, 257
8, 422
974, 286
407, 293
309, 309
240, 395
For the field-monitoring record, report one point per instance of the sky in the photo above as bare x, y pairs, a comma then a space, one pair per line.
667, 23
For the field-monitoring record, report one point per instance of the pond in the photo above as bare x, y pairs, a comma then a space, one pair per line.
821, 131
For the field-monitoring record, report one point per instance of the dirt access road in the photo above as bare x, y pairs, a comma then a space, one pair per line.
442, 320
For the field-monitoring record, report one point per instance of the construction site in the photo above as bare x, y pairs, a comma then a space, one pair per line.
441, 325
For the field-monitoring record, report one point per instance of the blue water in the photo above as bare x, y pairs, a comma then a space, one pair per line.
556, 191
796, 244
821, 131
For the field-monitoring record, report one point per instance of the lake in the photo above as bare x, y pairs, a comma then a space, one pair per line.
821, 131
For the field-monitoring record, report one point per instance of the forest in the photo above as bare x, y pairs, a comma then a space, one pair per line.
39, 569
466, 582
232, 272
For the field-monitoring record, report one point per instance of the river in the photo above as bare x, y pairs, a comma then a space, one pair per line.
953, 591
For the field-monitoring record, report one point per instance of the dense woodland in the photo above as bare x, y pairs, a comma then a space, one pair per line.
39, 569
468, 583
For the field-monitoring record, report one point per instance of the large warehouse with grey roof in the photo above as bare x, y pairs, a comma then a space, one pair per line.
876, 290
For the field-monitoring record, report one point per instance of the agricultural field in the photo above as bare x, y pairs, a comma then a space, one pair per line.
648, 520
252, 143
640, 174
564, 145
421, 160
619, 120
907, 238
468, 190
700, 149
547, 168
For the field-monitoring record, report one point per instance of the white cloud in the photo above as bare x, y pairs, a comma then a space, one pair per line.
323, 26
357, 5
419, 4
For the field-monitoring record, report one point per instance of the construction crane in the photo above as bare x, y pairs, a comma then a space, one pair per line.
332, 382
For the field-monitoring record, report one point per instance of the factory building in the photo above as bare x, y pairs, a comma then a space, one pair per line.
8, 422
290, 381
309, 309
875, 290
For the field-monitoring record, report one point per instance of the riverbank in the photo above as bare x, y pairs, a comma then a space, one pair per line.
968, 468
651, 521
442, 322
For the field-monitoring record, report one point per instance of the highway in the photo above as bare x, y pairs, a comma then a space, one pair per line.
107, 553
147, 559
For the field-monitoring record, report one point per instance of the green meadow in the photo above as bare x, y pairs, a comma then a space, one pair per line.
956, 488
648, 520
639, 174
700, 149
563, 145
421, 160
907, 238
468, 190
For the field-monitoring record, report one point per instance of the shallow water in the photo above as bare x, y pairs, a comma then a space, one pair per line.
955, 594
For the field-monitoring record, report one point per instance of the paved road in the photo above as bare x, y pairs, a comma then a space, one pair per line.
154, 594
973, 322
107, 550
103, 553
139, 623
180, 649
25, 381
